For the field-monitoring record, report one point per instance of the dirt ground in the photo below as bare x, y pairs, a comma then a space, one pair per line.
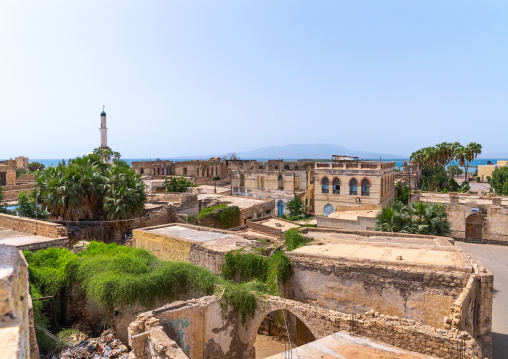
267, 346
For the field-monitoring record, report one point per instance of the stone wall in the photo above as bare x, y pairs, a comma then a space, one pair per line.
8, 172
32, 226
200, 331
361, 223
17, 333
163, 247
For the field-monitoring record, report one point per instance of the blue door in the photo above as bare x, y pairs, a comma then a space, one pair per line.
280, 208
328, 210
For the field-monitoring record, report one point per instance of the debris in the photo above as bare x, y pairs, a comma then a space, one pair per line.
106, 346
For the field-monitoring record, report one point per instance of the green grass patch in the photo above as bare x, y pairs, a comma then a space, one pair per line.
295, 240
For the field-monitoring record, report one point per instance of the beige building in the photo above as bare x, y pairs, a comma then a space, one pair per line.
485, 171
346, 183
8, 173
274, 179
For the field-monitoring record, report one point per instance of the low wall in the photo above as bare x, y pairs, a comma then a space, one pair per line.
17, 333
361, 223
32, 226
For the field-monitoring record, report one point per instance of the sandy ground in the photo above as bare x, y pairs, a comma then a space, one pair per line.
267, 346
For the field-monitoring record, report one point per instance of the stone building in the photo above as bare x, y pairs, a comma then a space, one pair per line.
198, 171
8, 173
485, 171
473, 217
274, 179
346, 183
21, 162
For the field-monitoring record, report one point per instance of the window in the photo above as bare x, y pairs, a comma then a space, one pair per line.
242, 180
185, 170
286, 167
365, 187
280, 182
297, 183
154, 173
3, 178
141, 170
168, 170
296, 168
336, 186
353, 187
325, 185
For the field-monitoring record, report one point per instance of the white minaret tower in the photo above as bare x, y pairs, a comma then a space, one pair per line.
104, 130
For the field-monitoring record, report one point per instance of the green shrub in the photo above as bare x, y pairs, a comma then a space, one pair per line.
191, 218
445, 190
283, 216
295, 240
209, 210
227, 217
478, 179
310, 225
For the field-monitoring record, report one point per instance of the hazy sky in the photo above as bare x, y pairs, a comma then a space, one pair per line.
210, 77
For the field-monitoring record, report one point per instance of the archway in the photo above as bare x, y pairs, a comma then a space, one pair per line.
328, 209
280, 182
272, 333
280, 208
474, 227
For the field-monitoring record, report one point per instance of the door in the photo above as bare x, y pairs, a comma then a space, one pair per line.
474, 227
280, 208
328, 209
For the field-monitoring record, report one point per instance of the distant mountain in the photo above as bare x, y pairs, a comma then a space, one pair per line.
315, 151
294, 152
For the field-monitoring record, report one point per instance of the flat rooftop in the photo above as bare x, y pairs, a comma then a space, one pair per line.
345, 346
365, 246
278, 223
463, 198
19, 239
241, 202
206, 237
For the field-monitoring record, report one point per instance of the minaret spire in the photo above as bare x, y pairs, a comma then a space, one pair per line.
104, 129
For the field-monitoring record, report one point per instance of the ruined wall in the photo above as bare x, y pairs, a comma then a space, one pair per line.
8, 173
17, 334
422, 295
31, 226
198, 328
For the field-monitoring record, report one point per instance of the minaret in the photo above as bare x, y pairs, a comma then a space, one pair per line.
104, 130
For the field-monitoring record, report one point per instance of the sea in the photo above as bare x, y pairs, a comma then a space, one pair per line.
398, 162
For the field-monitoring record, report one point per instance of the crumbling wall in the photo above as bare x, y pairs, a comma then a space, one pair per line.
32, 226
200, 331
419, 294
17, 334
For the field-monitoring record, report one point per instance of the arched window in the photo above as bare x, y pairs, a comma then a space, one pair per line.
162, 171
262, 182
296, 168
141, 170
286, 167
203, 172
336, 186
154, 173
365, 187
185, 170
353, 187
280, 182
168, 170
325, 185
242, 180
276, 167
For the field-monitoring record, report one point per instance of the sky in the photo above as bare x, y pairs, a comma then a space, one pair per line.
211, 77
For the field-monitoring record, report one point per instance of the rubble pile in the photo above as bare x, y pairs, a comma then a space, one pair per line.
106, 346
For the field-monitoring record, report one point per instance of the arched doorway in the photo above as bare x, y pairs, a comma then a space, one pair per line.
280, 208
272, 334
474, 227
328, 209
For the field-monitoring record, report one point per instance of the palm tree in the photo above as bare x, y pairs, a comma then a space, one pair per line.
461, 154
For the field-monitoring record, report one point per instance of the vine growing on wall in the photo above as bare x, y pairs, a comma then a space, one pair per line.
295, 240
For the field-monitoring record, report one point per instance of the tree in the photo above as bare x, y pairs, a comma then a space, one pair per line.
417, 218
296, 208
454, 170
107, 154
28, 207
35, 166
88, 188
231, 156
402, 192
177, 184
215, 179
499, 181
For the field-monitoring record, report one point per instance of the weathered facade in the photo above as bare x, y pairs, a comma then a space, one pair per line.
346, 183
478, 218
8, 173
275, 179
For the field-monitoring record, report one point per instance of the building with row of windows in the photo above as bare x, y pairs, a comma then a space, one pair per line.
345, 183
